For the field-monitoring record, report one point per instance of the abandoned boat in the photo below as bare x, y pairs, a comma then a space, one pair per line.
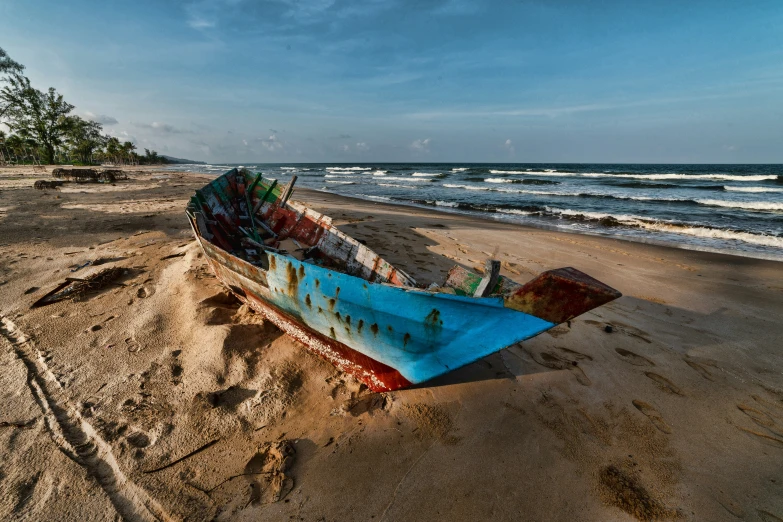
345, 303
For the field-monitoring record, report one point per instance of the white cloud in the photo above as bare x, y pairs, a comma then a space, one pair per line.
163, 128
200, 23
271, 143
345, 148
101, 118
421, 145
509, 146
362, 146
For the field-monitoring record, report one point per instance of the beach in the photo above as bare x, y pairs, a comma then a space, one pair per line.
160, 397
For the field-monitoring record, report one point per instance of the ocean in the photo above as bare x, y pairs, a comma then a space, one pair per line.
735, 209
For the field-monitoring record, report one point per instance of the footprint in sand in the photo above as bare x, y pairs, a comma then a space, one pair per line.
704, 372
664, 383
176, 367
766, 516
758, 416
652, 414
729, 504
558, 362
633, 358
767, 402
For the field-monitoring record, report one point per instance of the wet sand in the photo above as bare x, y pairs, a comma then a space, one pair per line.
162, 398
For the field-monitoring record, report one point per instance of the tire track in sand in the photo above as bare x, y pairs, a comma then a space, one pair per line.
77, 438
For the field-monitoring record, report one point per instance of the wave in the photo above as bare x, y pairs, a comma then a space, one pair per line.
670, 227
516, 211
751, 189
526, 181
289, 168
348, 168
460, 169
379, 198
748, 205
397, 186
617, 220
412, 179
425, 174
547, 172
341, 182
379, 172
339, 176
723, 177
744, 205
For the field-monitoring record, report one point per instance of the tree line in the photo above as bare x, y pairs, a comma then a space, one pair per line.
43, 130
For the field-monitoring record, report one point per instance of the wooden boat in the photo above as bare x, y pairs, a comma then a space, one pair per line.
347, 304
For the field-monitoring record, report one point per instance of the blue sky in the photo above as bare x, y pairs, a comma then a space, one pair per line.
431, 80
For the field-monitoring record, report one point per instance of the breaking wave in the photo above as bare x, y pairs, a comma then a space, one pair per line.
751, 189
724, 177
669, 226
747, 205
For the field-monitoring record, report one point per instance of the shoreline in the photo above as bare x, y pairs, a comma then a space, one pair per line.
673, 412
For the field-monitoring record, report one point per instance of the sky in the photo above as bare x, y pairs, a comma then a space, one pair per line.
416, 80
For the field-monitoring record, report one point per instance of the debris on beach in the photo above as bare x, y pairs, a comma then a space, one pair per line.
43, 184
270, 465
89, 175
79, 289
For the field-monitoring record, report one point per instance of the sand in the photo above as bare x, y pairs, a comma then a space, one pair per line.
162, 398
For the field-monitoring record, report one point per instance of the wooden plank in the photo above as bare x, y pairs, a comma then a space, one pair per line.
490, 279
287, 192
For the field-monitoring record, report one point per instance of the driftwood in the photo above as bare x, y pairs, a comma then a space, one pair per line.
89, 175
42, 184
78, 289
76, 174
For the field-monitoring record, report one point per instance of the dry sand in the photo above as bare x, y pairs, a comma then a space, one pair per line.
163, 399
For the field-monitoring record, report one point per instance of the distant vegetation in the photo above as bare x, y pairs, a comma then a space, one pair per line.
43, 130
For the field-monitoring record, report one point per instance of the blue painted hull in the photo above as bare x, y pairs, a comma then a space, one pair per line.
418, 333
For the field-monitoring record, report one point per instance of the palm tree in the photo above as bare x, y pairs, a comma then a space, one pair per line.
113, 149
128, 149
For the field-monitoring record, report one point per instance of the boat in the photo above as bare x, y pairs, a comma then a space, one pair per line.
350, 306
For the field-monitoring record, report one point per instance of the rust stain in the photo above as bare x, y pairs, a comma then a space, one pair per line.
433, 324
308, 302
293, 280
338, 316
348, 319
360, 325
317, 283
337, 292
320, 310
390, 328
332, 332
331, 304
406, 338
301, 272
374, 328
272, 263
